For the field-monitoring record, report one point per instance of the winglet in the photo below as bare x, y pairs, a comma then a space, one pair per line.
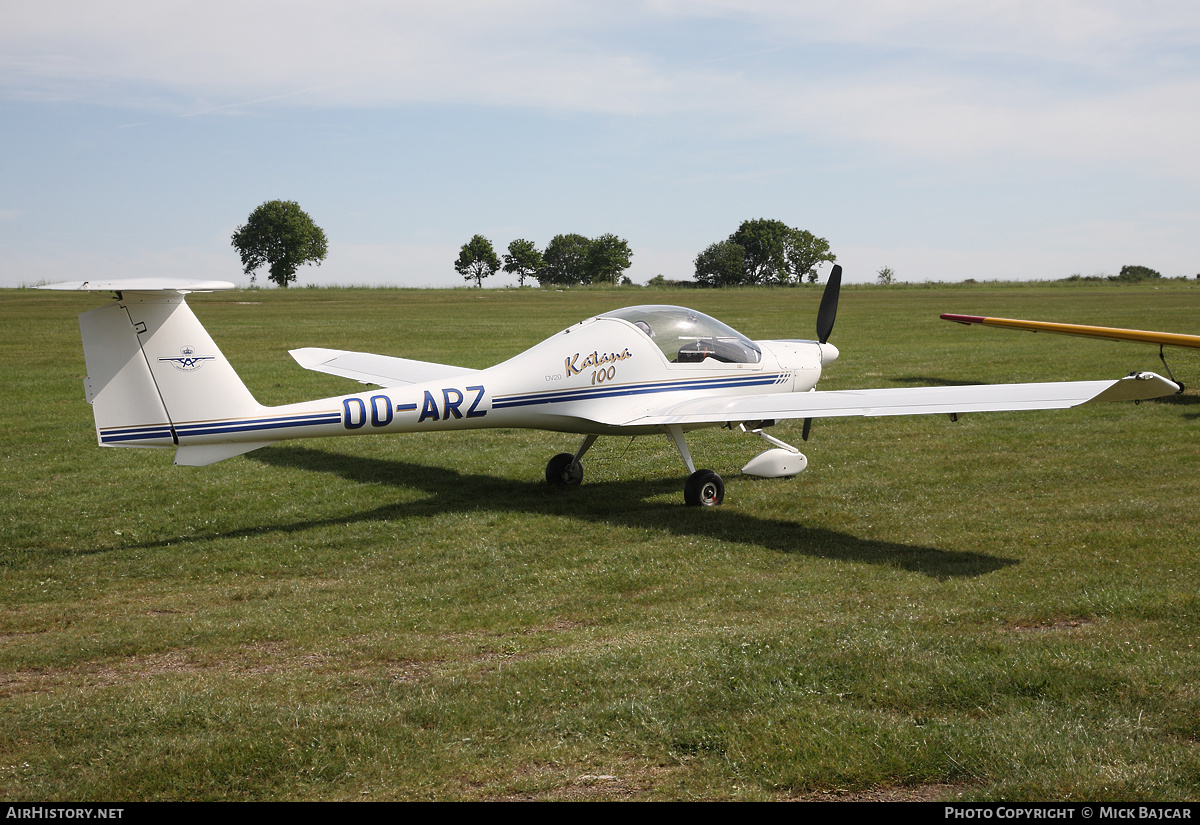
1137, 386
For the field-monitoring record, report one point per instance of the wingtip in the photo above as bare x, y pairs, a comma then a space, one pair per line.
1138, 386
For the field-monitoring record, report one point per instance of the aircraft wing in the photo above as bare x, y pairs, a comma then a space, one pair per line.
383, 370
1112, 333
902, 401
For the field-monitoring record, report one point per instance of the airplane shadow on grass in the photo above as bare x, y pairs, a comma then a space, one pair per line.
619, 503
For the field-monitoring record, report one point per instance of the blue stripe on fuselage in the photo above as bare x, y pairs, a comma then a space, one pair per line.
135, 433
118, 434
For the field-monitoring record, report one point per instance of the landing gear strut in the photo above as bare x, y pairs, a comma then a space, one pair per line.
703, 488
1162, 358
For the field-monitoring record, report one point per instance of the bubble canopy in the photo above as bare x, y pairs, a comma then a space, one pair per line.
686, 336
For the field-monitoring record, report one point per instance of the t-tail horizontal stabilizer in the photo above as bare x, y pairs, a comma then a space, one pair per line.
181, 285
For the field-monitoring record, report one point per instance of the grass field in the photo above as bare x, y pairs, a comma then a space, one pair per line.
1002, 608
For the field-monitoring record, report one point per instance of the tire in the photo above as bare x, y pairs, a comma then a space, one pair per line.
704, 488
564, 471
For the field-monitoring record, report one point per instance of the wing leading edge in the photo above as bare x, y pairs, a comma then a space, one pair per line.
904, 401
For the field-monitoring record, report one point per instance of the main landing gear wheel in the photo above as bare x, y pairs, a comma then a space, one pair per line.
704, 488
564, 471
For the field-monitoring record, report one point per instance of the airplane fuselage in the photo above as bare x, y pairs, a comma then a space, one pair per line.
605, 367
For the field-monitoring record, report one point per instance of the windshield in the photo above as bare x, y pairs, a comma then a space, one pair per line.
688, 337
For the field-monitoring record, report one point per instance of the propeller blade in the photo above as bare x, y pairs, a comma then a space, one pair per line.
827, 312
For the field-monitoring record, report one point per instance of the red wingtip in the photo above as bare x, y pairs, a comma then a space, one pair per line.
963, 319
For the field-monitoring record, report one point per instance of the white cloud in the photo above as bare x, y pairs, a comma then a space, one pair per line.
627, 58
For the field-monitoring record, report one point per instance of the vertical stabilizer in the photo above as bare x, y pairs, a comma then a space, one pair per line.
156, 378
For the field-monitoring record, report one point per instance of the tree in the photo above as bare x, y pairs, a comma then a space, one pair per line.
803, 252
523, 260
1136, 273
778, 254
566, 259
282, 235
885, 275
477, 259
722, 264
764, 242
607, 257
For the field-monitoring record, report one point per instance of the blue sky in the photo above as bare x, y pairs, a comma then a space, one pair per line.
947, 140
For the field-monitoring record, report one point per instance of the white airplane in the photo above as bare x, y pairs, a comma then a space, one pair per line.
157, 379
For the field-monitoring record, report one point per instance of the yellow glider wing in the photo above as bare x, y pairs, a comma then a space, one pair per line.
1112, 333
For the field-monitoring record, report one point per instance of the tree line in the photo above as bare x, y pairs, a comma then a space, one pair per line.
568, 260
761, 251
1128, 274
283, 237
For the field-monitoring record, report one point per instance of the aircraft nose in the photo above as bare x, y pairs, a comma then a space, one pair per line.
829, 353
